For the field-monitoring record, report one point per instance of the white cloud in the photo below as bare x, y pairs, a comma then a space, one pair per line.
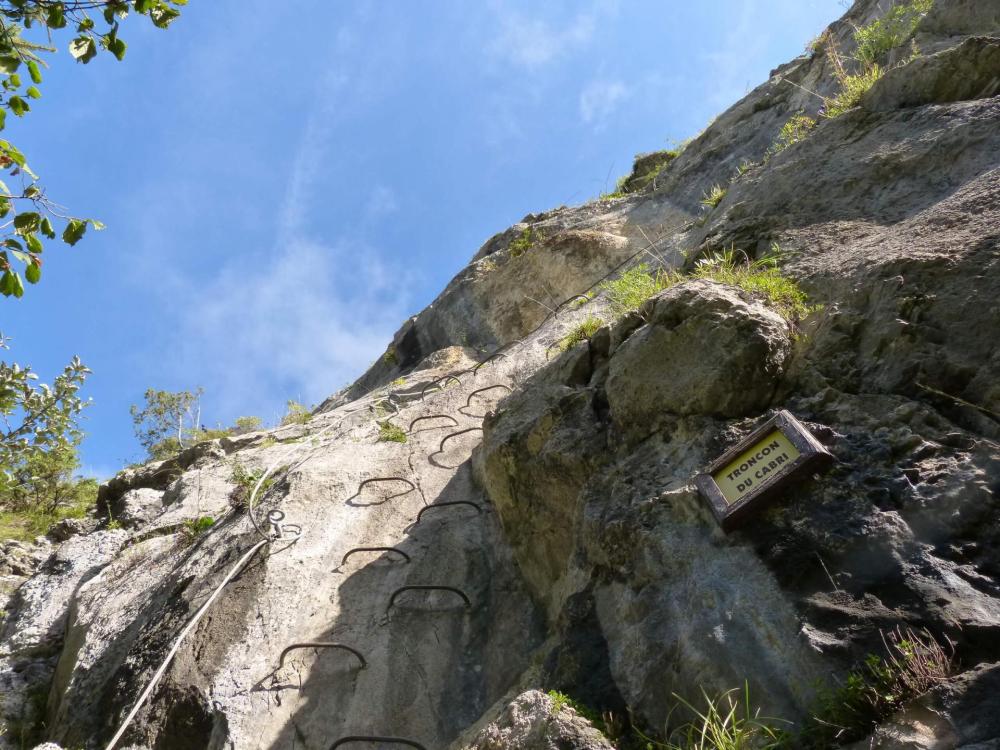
532, 42
381, 202
301, 323
600, 99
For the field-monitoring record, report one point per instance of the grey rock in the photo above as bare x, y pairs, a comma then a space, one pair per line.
704, 350
67, 527
533, 722
136, 508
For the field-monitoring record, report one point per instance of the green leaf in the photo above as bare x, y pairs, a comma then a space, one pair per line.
7, 283
4, 207
21, 256
3, 118
117, 48
27, 221
9, 64
162, 15
74, 230
12, 243
18, 106
97, 225
85, 25
15, 81
46, 228
83, 49
33, 92
34, 72
57, 17
143, 6
10, 284
34, 244
12, 153
33, 273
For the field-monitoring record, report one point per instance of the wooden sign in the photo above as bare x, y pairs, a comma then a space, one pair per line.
742, 480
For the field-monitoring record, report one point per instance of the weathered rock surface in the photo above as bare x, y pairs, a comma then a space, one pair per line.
590, 563
532, 721
703, 350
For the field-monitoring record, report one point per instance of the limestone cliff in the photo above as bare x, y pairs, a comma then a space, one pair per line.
551, 491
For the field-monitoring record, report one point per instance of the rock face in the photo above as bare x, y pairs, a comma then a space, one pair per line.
703, 350
551, 494
533, 721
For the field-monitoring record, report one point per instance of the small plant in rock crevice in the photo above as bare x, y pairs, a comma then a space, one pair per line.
390, 433
892, 30
726, 722
193, 528
635, 286
523, 242
296, 413
761, 278
714, 196
913, 663
245, 480
796, 129
582, 332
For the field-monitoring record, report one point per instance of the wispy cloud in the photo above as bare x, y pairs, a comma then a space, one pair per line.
532, 42
302, 323
600, 99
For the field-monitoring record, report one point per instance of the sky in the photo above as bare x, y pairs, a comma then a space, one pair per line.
283, 184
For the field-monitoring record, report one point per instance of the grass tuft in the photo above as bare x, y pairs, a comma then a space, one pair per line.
726, 722
635, 286
890, 31
582, 332
760, 278
796, 129
714, 196
852, 88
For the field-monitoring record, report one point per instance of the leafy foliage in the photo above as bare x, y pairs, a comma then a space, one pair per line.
247, 424
38, 449
890, 31
160, 424
245, 480
32, 216
796, 129
390, 433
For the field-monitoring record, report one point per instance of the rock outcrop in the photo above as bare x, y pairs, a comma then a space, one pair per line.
550, 492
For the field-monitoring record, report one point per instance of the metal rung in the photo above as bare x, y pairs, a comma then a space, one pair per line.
456, 434
452, 589
373, 738
498, 354
468, 401
376, 549
320, 644
437, 382
386, 479
433, 416
442, 505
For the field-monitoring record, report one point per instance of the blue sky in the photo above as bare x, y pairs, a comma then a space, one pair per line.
284, 183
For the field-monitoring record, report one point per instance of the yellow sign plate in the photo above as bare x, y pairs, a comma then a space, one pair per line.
762, 461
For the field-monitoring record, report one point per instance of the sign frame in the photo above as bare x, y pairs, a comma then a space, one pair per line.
812, 456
